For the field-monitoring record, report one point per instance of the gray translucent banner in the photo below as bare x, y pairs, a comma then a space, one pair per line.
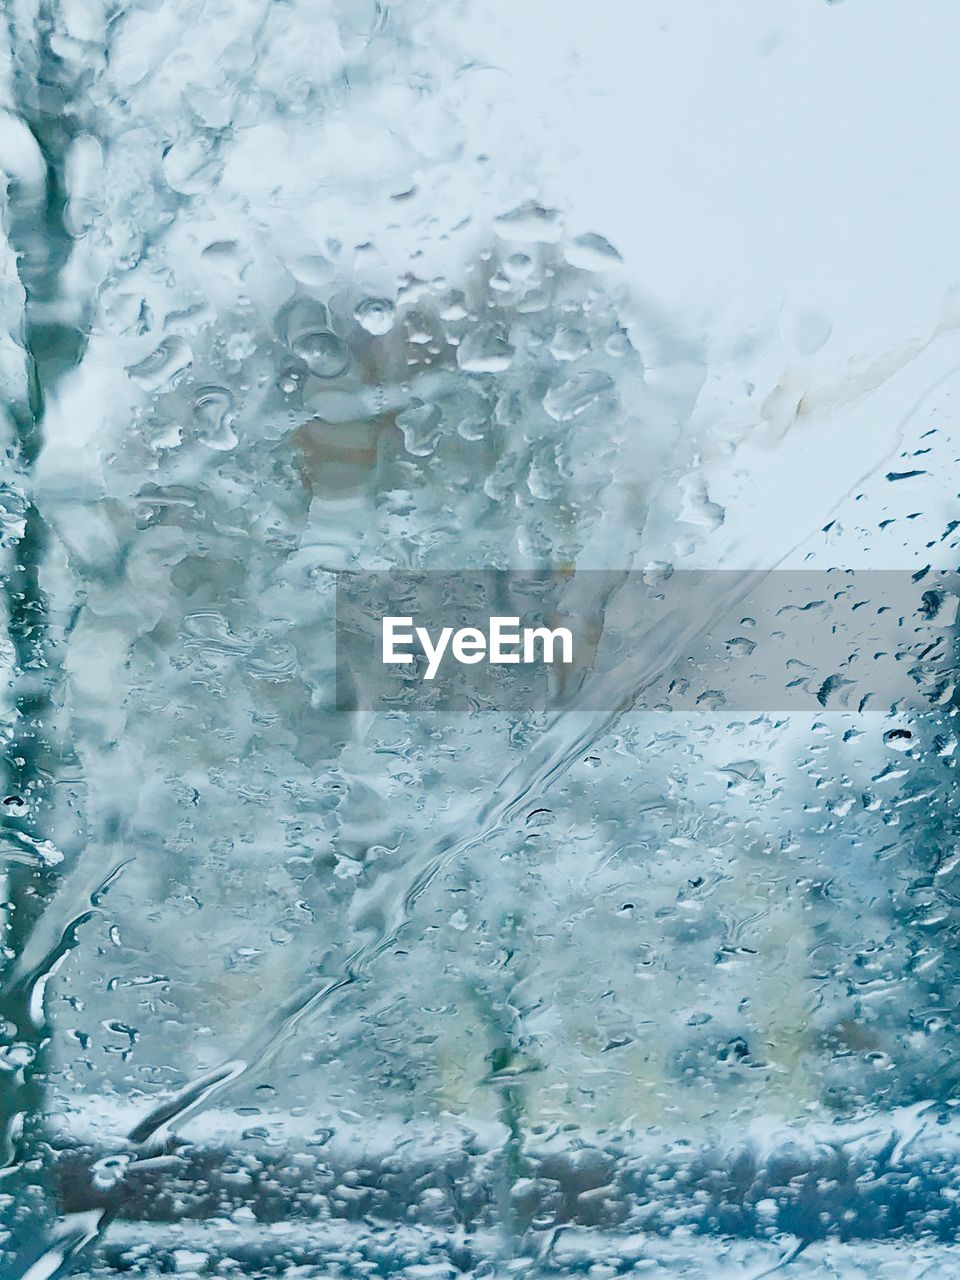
722, 640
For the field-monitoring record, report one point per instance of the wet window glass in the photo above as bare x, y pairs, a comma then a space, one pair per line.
478, 621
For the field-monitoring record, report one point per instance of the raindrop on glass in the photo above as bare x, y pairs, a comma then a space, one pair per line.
324, 354
376, 315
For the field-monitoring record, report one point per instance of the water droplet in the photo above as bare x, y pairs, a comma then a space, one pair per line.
16, 1056
589, 389
162, 366
530, 223
420, 425
656, 572
418, 329
311, 269
569, 344
324, 354
618, 345
898, 739
452, 306
299, 317
591, 252
543, 481
536, 298
376, 315
484, 350
696, 507
108, 1171
224, 257
741, 646
211, 408
519, 266
292, 378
